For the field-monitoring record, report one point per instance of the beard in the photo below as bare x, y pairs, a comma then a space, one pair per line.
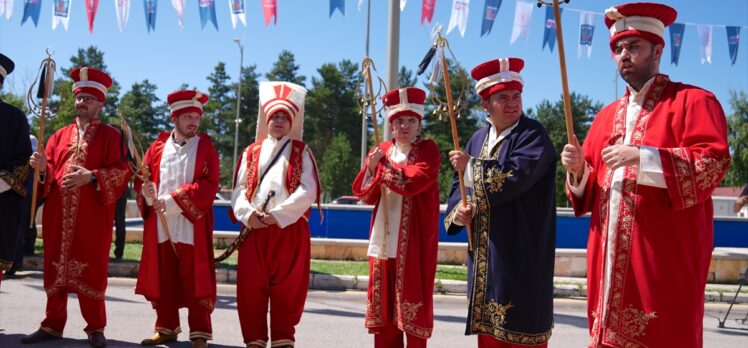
642, 73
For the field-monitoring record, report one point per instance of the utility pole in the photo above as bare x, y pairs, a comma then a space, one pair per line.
393, 53
238, 120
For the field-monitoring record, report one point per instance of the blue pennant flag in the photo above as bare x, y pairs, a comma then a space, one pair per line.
489, 15
733, 39
676, 40
339, 5
549, 36
31, 8
208, 12
150, 7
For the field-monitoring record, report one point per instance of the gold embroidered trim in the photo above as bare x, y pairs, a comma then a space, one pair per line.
409, 310
634, 321
184, 201
495, 179
110, 179
709, 170
374, 315
16, 179
683, 176
496, 313
395, 177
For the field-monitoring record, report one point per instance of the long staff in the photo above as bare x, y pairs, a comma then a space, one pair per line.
562, 65
442, 42
367, 65
46, 87
142, 173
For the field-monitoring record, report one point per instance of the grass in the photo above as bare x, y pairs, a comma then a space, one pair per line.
358, 268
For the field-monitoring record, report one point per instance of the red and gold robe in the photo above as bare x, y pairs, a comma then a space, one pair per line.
661, 241
416, 181
77, 223
195, 199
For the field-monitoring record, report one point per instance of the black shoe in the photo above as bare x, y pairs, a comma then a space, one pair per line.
97, 339
39, 336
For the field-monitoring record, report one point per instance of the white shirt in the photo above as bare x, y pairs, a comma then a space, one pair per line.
286, 208
176, 169
398, 154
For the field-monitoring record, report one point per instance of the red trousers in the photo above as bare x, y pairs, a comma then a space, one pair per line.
177, 283
273, 269
390, 336
486, 341
93, 312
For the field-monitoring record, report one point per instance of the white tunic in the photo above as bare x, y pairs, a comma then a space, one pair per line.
286, 208
398, 155
176, 169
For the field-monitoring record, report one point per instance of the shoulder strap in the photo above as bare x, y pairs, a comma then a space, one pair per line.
272, 162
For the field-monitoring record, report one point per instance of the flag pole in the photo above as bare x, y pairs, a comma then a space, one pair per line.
562, 65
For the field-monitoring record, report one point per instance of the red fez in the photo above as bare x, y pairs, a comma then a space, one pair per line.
644, 19
498, 75
92, 81
407, 101
182, 102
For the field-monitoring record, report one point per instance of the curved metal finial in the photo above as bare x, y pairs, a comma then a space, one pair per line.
540, 3
50, 51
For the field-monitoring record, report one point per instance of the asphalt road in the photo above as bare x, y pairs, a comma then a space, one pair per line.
331, 319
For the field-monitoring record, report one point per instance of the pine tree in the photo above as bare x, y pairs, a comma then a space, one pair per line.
285, 69
338, 167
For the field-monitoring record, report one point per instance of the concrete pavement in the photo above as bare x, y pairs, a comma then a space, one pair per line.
331, 319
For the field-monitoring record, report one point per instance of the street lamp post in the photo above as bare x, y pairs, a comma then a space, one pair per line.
238, 120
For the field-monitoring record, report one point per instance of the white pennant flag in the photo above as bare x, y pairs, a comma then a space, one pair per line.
360, 3
123, 12
6, 8
61, 13
179, 8
586, 31
522, 19
402, 5
236, 7
705, 38
459, 16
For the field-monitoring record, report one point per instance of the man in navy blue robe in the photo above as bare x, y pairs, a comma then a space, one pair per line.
15, 149
509, 170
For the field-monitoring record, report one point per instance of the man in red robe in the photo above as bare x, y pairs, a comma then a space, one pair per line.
646, 172
404, 239
83, 172
177, 267
276, 183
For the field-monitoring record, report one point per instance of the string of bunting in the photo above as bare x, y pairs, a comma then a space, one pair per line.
458, 20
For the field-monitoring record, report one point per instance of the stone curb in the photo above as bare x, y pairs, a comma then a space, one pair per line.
565, 288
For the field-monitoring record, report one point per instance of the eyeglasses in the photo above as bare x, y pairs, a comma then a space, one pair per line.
85, 98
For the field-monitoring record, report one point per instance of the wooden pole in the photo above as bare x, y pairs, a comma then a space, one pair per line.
383, 189
144, 177
564, 81
49, 69
455, 138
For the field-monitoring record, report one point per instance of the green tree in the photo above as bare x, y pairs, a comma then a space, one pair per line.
247, 115
440, 130
15, 100
218, 117
406, 78
144, 111
331, 107
338, 168
737, 125
285, 69
551, 115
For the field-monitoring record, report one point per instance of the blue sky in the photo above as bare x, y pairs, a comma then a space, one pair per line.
169, 56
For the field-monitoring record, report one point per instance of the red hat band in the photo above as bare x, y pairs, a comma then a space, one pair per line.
406, 101
272, 106
643, 19
185, 101
92, 81
498, 75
